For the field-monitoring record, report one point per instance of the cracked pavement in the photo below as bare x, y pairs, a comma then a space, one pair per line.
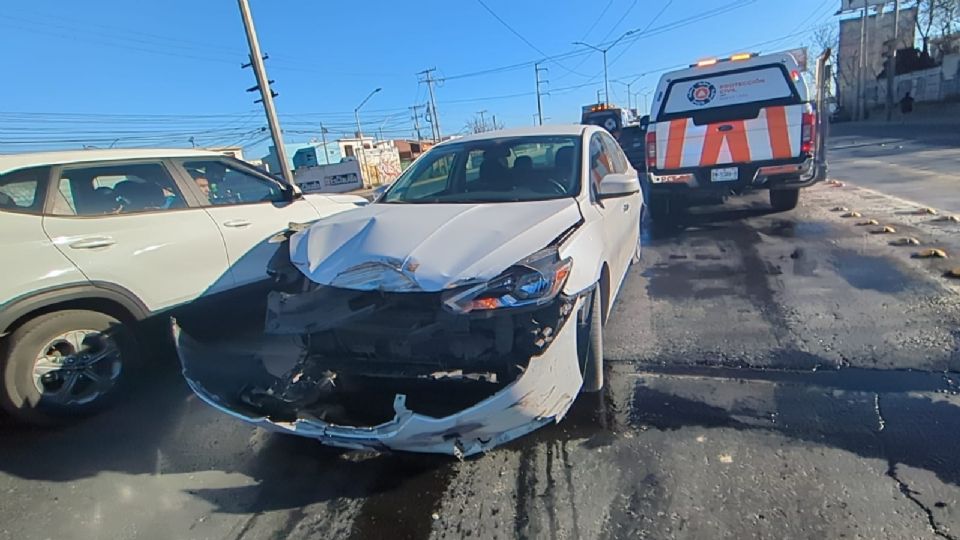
769, 376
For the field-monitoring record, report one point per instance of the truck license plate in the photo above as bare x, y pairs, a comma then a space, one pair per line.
729, 174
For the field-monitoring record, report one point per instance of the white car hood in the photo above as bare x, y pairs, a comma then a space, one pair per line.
426, 247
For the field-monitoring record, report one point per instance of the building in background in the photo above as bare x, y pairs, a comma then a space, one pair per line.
317, 154
410, 150
879, 30
379, 160
272, 162
333, 178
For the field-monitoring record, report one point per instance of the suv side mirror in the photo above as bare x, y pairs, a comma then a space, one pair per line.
619, 185
292, 192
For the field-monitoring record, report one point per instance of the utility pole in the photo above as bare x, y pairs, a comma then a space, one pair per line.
495, 127
323, 137
861, 64
892, 60
266, 94
538, 69
416, 120
598, 97
483, 121
434, 119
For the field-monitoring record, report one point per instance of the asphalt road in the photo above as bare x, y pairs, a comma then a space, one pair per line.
916, 162
770, 376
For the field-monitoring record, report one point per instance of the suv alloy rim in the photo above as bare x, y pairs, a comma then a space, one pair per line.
77, 367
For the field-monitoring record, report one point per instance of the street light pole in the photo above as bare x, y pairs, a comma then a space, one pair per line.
356, 115
603, 51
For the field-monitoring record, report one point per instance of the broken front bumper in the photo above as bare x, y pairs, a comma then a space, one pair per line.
541, 394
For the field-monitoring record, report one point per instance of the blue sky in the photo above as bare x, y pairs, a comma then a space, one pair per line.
152, 72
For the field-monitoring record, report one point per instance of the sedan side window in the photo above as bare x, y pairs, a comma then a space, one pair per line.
612, 148
600, 162
221, 183
115, 189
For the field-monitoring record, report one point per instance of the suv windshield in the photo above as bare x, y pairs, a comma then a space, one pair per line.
505, 169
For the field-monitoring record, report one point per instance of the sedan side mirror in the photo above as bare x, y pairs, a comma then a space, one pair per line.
619, 185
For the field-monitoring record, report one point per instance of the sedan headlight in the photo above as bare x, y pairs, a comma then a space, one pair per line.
535, 280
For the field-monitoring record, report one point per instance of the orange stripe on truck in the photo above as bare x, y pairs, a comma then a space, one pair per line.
779, 132
675, 137
736, 137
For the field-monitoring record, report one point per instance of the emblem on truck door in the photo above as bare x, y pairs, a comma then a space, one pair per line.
701, 93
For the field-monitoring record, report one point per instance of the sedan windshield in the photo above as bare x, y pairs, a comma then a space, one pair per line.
507, 169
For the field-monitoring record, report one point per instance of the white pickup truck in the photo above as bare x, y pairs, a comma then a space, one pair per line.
727, 126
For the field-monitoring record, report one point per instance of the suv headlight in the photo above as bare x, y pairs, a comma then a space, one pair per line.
535, 280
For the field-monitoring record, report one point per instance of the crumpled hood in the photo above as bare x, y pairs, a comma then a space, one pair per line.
426, 247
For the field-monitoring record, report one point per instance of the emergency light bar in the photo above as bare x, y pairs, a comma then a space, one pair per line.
734, 58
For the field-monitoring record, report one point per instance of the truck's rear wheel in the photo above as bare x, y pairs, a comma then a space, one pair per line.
784, 199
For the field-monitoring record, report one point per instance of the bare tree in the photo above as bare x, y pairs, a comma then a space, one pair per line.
479, 124
942, 16
827, 37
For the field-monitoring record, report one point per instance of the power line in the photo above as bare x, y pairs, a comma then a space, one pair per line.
523, 39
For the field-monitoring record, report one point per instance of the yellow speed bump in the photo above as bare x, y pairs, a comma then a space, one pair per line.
868, 222
954, 273
852, 214
952, 219
927, 211
908, 241
886, 230
931, 253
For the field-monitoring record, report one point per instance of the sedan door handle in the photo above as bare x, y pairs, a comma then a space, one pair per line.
93, 242
626, 206
236, 223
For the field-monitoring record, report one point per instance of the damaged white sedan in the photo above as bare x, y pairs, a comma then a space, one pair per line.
461, 310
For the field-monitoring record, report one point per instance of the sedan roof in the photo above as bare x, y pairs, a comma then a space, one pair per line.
12, 162
553, 129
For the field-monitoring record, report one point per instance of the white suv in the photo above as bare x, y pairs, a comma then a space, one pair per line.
94, 241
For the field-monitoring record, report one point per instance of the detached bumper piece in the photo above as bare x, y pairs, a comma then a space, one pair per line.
392, 371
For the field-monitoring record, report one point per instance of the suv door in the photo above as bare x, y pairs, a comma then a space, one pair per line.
130, 225
34, 263
249, 208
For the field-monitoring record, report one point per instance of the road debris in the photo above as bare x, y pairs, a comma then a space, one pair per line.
953, 273
886, 230
952, 219
839, 209
852, 214
931, 253
927, 211
908, 241
725, 458
868, 222
834, 183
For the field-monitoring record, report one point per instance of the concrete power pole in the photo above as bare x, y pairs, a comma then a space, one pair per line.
892, 61
323, 137
538, 69
483, 120
416, 120
861, 64
266, 95
434, 119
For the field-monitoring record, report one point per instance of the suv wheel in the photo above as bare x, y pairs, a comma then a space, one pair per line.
784, 199
64, 364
